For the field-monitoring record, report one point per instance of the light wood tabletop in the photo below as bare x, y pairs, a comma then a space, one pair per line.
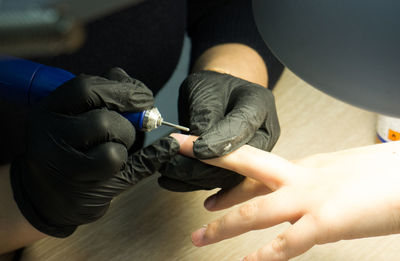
149, 223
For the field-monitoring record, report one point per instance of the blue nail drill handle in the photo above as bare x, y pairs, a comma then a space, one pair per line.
27, 82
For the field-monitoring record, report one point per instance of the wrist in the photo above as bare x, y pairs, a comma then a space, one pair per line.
235, 59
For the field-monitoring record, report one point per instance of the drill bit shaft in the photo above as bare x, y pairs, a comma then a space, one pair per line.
179, 127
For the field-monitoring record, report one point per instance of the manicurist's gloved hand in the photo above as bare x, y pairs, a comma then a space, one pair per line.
77, 157
226, 112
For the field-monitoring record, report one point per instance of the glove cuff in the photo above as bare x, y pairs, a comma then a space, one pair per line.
27, 207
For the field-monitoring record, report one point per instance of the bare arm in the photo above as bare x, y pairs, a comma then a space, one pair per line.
15, 230
225, 39
235, 59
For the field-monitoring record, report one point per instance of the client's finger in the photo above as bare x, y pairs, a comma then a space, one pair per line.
186, 143
263, 166
261, 213
299, 238
247, 189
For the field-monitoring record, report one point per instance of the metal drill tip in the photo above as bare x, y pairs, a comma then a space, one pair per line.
179, 127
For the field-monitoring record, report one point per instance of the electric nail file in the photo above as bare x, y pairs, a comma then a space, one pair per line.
27, 82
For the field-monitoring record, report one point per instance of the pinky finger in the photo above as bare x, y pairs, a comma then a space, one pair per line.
299, 238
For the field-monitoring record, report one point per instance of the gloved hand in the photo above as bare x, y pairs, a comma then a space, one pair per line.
226, 112
77, 157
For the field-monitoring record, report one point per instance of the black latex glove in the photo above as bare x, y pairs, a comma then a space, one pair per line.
77, 156
226, 112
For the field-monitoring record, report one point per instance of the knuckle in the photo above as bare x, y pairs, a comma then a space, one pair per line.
268, 94
278, 248
248, 211
213, 229
82, 86
113, 158
118, 157
103, 119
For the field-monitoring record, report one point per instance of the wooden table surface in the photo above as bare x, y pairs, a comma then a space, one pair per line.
149, 223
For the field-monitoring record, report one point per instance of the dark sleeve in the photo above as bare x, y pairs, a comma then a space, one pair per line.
216, 22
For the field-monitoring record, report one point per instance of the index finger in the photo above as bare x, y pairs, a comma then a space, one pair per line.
263, 166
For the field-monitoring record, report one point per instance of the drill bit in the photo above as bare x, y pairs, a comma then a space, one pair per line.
152, 119
179, 127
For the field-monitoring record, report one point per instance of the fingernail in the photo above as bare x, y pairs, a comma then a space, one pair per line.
185, 143
181, 138
210, 202
198, 235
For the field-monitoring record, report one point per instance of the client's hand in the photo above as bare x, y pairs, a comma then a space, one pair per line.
326, 197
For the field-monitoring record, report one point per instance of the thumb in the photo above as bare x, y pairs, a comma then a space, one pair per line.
151, 159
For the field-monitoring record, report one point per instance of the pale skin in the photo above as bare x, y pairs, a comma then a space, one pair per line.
235, 59
326, 197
